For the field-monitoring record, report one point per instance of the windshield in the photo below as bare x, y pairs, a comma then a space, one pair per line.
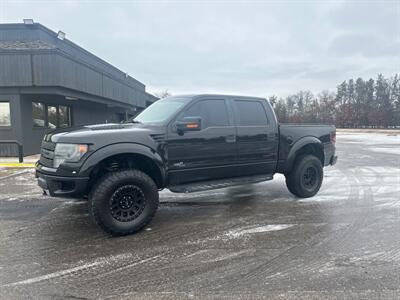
160, 111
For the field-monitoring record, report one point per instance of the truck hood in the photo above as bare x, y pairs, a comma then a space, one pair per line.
106, 134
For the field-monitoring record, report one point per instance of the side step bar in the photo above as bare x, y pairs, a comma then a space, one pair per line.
218, 184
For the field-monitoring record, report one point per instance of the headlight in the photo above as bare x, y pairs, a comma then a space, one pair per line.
69, 153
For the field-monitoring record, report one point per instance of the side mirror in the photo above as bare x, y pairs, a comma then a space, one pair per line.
188, 124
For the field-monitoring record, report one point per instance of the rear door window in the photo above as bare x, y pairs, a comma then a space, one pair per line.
250, 113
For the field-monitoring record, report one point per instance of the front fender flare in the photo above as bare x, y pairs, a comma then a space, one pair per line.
122, 148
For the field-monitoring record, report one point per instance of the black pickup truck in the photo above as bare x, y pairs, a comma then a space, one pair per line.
185, 144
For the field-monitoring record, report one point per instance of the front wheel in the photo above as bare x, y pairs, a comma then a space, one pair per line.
306, 177
123, 202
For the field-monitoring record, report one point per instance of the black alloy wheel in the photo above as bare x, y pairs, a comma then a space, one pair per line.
310, 177
127, 203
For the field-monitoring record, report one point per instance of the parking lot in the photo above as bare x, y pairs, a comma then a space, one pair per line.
245, 242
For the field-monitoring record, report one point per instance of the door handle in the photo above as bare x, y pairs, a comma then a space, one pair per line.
230, 138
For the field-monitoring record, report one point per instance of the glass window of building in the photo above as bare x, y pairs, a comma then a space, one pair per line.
5, 119
38, 114
64, 116
52, 116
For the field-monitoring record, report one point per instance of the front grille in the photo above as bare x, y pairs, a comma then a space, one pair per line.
47, 154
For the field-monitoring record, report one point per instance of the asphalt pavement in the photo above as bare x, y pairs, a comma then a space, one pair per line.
250, 242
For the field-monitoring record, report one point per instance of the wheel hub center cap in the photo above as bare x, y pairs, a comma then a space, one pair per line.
126, 202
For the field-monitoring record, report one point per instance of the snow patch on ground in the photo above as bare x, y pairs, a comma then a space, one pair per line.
267, 228
335, 187
28, 195
214, 255
56, 274
81, 265
369, 138
225, 256
378, 184
395, 151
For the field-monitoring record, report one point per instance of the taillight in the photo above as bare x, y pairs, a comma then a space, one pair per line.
333, 137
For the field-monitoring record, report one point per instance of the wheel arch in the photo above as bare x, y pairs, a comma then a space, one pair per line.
306, 145
134, 155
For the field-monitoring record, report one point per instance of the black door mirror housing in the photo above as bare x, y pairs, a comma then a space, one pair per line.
188, 124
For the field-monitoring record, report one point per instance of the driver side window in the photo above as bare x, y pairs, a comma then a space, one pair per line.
213, 113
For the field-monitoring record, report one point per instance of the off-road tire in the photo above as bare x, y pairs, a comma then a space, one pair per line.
297, 181
103, 195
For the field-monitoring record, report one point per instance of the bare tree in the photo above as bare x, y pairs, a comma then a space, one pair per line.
163, 94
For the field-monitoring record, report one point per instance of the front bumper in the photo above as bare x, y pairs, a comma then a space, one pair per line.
60, 186
333, 160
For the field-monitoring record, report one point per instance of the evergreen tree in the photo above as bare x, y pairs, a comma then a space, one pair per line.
360, 117
395, 99
350, 92
341, 100
383, 117
341, 93
370, 103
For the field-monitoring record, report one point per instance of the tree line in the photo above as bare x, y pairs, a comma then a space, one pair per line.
372, 103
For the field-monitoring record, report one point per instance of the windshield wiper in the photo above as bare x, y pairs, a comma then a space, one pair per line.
135, 121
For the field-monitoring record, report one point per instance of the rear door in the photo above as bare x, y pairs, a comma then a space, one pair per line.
256, 137
206, 154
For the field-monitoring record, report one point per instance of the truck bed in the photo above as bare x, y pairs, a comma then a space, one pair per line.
291, 135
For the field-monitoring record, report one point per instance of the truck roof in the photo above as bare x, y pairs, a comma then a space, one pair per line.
192, 96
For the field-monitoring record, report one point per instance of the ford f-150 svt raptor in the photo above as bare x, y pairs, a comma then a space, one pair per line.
185, 144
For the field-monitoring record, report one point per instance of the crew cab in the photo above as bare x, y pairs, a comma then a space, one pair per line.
185, 144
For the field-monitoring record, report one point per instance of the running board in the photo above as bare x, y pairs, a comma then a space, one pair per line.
218, 184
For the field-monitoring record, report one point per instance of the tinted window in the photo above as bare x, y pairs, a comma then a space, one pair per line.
5, 114
65, 116
52, 116
212, 112
250, 113
38, 114
160, 111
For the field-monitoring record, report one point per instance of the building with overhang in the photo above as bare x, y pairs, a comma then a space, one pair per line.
47, 82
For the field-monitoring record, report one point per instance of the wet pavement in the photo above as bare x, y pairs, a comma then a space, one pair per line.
247, 243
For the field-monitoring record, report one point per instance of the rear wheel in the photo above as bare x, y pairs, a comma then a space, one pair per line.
306, 177
123, 202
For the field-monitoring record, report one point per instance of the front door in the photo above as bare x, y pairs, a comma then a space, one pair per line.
207, 154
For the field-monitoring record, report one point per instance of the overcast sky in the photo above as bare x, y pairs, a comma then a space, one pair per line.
243, 47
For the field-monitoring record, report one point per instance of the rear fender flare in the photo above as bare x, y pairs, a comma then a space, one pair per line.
296, 148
